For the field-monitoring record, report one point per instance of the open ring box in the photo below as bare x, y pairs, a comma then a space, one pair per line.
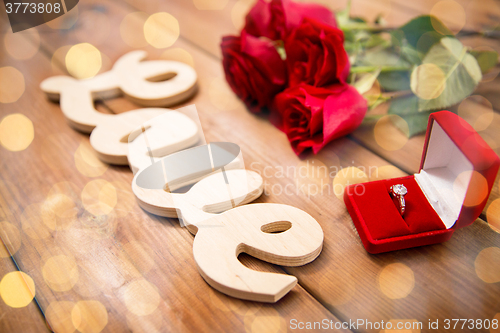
457, 172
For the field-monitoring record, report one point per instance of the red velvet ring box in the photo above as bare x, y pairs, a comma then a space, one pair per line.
457, 173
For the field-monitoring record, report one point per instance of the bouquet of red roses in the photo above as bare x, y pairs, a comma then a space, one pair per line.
290, 59
293, 59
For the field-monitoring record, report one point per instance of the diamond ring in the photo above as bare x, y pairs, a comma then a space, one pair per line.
399, 191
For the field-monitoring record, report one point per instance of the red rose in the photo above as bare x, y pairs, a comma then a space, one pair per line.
316, 55
275, 19
254, 69
313, 116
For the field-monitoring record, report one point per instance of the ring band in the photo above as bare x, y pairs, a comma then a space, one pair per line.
399, 191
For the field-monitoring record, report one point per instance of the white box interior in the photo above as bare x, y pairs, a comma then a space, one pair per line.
439, 179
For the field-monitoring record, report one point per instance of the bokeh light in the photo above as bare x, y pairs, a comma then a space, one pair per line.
312, 176
58, 316
99, 197
161, 30
477, 189
428, 81
59, 212
396, 280
11, 84
131, 29
268, 321
89, 316
58, 59
478, 112
87, 162
178, 54
210, 4
239, 12
16, 132
487, 265
17, 289
141, 297
389, 136
10, 239
221, 95
145, 324
125, 198
60, 272
83, 61
493, 215
347, 176
22, 45
451, 13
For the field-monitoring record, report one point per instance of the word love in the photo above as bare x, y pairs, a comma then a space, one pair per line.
110, 134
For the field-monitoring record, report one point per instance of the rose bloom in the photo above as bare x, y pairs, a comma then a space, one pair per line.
313, 116
254, 69
275, 19
316, 55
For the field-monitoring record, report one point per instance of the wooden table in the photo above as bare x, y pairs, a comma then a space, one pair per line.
135, 271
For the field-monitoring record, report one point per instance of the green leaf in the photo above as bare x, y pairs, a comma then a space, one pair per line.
423, 32
366, 81
448, 74
486, 59
395, 80
412, 55
407, 108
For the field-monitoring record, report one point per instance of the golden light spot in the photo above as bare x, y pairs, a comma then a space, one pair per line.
98, 225
347, 176
60, 272
17, 289
125, 198
268, 322
16, 132
11, 84
32, 222
58, 316
67, 21
83, 61
89, 316
239, 12
477, 188
87, 162
140, 254
451, 13
99, 197
210, 4
58, 59
10, 239
221, 95
396, 280
407, 326
312, 176
178, 54
230, 304
66, 188
161, 30
488, 265
493, 215
389, 136
59, 212
386, 172
145, 324
141, 297
22, 45
131, 29
479, 115
428, 81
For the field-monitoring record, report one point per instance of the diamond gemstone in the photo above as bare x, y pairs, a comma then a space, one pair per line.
399, 189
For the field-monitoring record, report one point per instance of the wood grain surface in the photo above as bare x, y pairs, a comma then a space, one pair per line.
101, 263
